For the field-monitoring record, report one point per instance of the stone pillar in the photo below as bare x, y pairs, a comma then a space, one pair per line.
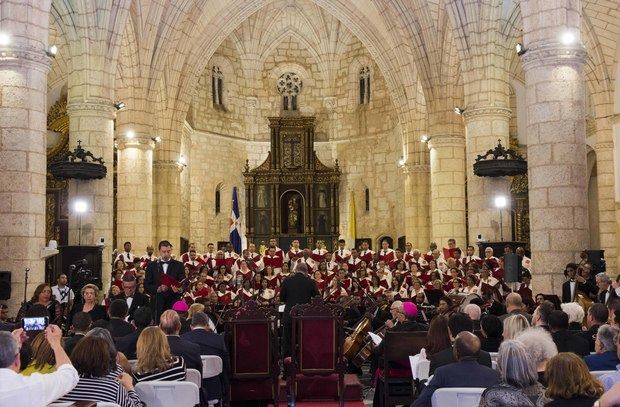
484, 126
92, 122
556, 145
417, 227
606, 203
167, 200
134, 190
23, 85
447, 189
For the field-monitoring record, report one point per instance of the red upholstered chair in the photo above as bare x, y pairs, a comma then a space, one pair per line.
317, 366
251, 333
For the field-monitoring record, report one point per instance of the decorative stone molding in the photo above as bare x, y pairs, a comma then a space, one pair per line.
605, 145
251, 102
330, 103
422, 168
446, 141
141, 142
25, 55
487, 111
553, 54
167, 165
93, 107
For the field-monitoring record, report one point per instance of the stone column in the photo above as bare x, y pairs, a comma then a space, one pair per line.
92, 122
556, 145
23, 85
134, 191
167, 200
606, 203
447, 188
417, 197
484, 126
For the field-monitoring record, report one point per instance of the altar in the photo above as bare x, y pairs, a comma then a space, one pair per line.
292, 194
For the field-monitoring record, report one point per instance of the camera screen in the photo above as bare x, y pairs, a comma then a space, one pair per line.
35, 323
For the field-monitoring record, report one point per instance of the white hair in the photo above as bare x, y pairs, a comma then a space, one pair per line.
473, 311
539, 344
574, 311
607, 335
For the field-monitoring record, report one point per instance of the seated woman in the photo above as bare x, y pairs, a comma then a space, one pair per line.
155, 362
570, 383
438, 336
540, 347
492, 329
90, 292
118, 359
606, 357
519, 386
43, 296
42, 357
91, 359
513, 325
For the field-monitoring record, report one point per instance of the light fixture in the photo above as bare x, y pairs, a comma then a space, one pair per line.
5, 39
459, 110
51, 51
80, 206
425, 138
402, 162
120, 105
500, 203
156, 139
182, 161
520, 49
130, 134
567, 38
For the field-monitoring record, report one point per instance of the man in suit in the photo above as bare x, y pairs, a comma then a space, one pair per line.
132, 297
117, 325
458, 322
162, 295
605, 290
142, 318
598, 314
170, 323
564, 340
466, 372
514, 306
296, 289
210, 344
571, 285
606, 357
81, 324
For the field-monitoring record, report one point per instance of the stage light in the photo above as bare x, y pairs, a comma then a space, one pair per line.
520, 49
52, 51
5, 39
130, 134
501, 201
80, 206
567, 38
156, 139
425, 138
459, 110
120, 105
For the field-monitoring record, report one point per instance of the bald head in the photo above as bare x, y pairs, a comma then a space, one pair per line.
513, 302
170, 323
466, 345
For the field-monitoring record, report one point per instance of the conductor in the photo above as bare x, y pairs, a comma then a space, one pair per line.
162, 289
297, 289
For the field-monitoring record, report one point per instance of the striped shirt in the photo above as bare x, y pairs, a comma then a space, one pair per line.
105, 388
175, 373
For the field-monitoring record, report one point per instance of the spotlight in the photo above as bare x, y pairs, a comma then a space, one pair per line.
500, 201
130, 134
402, 162
80, 206
120, 105
459, 110
567, 38
156, 139
5, 39
182, 161
425, 138
520, 49
52, 51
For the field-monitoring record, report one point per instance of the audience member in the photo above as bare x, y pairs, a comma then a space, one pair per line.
91, 358
38, 389
132, 297
540, 347
609, 379
575, 315
541, 314
514, 306
606, 357
438, 337
80, 325
491, 328
466, 372
474, 312
513, 325
457, 323
569, 383
519, 386
564, 340
42, 356
155, 362
117, 359
182, 310
598, 314
142, 318
611, 397
116, 323
170, 323
43, 296
90, 293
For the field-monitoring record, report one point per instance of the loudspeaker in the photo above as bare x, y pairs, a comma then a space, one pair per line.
512, 268
596, 257
5, 285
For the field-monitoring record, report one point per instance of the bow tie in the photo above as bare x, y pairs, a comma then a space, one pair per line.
165, 262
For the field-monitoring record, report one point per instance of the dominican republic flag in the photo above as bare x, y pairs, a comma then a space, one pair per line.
235, 223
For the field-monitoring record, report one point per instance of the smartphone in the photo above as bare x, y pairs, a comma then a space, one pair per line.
35, 323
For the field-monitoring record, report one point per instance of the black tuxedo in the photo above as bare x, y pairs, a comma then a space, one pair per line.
212, 344
297, 289
567, 342
600, 297
117, 327
164, 300
590, 335
466, 373
445, 357
127, 344
187, 350
139, 300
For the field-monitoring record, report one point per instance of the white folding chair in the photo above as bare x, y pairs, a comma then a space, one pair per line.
598, 373
193, 376
493, 356
419, 367
494, 365
211, 366
165, 394
457, 397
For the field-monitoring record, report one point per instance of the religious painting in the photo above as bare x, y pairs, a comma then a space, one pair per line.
322, 198
262, 197
292, 151
292, 205
322, 224
262, 223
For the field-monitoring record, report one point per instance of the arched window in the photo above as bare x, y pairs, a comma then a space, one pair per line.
364, 80
367, 199
217, 86
218, 199
289, 86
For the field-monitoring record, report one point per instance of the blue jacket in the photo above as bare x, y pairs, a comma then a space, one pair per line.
602, 361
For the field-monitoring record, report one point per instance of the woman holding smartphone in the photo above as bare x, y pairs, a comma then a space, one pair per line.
43, 296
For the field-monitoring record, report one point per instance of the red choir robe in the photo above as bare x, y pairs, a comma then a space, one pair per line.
332, 266
375, 292
386, 255
367, 256
354, 264
335, 293
408, 256
126, 257
194, 265
447, 253
342, 255
525, 291
185, 257
225, 298
365, 282
275, 262
210, 281
145, 260
273, 281
246, 295
318, 255
320, 285
266, 294
246, 274
294, 255
204, 292
498, 273
231, 255
403, 292
346, 283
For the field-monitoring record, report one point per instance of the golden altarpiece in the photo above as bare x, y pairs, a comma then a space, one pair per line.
292, 194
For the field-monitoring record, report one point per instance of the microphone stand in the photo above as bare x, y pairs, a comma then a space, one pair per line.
26, 271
